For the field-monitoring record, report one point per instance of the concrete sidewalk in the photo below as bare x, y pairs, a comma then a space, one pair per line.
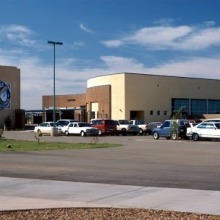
20, 194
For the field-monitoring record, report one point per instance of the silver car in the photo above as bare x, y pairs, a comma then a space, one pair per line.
45, 128
206, 129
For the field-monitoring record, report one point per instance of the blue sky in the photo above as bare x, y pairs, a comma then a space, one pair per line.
161, 37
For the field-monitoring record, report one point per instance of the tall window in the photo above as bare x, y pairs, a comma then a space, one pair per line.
180, 103
213, 106
198, 106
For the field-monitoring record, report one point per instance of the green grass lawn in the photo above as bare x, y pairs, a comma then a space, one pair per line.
16, 145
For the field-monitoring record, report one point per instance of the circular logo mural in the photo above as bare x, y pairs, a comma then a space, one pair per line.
5, 95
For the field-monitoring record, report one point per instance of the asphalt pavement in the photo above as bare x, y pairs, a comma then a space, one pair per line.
28, 193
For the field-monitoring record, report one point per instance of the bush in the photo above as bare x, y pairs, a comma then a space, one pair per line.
1, 133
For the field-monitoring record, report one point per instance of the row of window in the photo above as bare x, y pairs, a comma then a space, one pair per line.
196, 106
158, 112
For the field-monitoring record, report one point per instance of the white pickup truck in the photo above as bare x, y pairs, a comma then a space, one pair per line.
124, 127
142, 127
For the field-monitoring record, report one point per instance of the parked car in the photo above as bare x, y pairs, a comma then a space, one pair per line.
65, 122
45, 128
171, 129
142, 126
105, 126
189, 129
206, 129
124, 127
151, 126
80, 128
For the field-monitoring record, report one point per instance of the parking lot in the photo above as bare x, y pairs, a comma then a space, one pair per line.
140, 161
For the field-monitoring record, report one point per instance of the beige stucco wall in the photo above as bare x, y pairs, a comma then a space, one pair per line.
151, 92
141, 92
11, 75
117, 82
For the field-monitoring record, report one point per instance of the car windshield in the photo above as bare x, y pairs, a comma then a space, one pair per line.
53, 124
62, 123
123, 122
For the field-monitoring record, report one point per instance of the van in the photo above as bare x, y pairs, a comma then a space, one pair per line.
105, 126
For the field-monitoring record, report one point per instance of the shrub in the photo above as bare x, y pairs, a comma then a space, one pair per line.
1, 132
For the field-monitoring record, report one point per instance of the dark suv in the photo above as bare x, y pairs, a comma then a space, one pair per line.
105, 126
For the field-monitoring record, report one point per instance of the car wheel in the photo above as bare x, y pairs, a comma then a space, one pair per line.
83, 134
174, 136
141, 132
195, 137
66, 133
155, 135
123, 131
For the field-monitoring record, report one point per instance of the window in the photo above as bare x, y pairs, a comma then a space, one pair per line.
165, 113
177, 104
158, 112
213, 107
151, 112
206, 126
166, 124
198, 106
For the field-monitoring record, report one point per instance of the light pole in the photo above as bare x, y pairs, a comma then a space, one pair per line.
54, 43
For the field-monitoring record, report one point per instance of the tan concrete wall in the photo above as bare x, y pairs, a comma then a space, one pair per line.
150, 92
12, 76
117, 82
141, 92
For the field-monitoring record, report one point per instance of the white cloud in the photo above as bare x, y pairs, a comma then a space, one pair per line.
197, 67
18, 34
72, 74
171, 38
37, 78
121, 64
159, 37
112, 43
202, 39
84, 28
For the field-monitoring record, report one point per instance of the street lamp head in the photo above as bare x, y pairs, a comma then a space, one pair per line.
59, 43
54, 42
